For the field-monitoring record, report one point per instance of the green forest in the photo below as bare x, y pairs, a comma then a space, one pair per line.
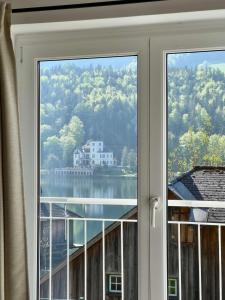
196, 112
88, 103
100, 103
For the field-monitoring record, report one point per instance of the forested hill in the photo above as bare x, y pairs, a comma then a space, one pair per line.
78, 104
99, 103
196, 108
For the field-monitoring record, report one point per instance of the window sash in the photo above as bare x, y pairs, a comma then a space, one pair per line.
28, 106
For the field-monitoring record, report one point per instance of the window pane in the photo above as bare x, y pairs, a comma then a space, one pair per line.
113, 279
172, 291
196, 172
88, 174
88, 128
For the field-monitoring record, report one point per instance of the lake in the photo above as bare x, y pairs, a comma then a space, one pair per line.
89, 186
92, 187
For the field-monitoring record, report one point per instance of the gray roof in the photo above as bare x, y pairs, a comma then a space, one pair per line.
203, 183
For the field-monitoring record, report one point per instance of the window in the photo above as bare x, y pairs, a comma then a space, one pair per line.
95, 209
77, 124
101, 187
196, 167
172, 287
150, 113
192, 83
115, 283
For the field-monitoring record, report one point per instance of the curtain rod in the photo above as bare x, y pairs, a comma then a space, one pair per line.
80, 5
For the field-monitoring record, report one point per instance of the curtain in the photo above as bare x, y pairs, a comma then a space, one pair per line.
13, 265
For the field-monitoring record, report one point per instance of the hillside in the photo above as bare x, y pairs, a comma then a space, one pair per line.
83, 103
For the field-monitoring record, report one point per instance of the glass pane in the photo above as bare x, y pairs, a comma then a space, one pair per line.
196, 172
88, 176
94, 261
44, 256
130, 261
113, 260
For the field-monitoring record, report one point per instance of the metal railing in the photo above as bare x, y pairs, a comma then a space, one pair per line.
96, 201
193, 204
50, 217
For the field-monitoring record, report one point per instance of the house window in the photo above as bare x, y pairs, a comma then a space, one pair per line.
115, 283
172, 287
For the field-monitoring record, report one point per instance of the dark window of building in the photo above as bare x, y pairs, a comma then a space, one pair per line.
115, 283
172, 287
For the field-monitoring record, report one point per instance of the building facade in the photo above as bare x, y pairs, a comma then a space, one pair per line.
94, 264
93, 154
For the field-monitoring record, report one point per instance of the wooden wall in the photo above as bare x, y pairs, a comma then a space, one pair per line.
95, 271
190, 262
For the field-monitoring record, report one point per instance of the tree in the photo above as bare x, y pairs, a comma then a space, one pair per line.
52, 162
71, 136
124, 157
132, 160
53, 147
193, 147
45, 132
216, 150
204, 120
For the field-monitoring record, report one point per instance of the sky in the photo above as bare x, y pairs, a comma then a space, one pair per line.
189, 59
115, 62
192, 59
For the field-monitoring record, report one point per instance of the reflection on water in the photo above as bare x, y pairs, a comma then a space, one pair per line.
89, 187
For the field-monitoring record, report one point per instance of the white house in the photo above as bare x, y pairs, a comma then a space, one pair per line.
93, 154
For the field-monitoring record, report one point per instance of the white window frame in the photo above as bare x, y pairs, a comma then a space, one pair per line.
73, 46
163, 38
115, 283
202, 39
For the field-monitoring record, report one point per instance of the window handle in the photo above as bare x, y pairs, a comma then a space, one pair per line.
154, 204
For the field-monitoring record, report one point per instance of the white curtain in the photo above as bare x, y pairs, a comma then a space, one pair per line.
13, 259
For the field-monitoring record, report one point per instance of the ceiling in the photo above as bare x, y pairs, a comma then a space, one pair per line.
116, 11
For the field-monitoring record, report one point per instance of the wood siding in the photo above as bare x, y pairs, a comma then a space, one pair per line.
95, 269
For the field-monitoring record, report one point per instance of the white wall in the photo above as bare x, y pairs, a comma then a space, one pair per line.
163, 7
